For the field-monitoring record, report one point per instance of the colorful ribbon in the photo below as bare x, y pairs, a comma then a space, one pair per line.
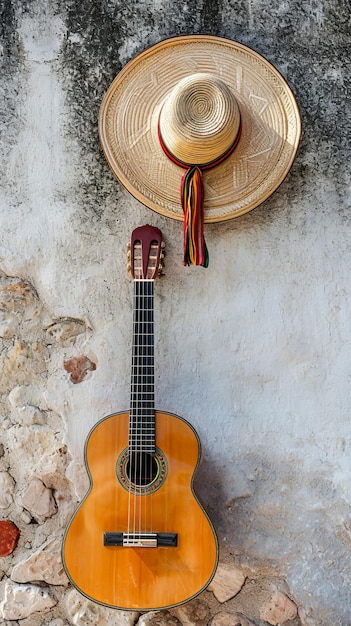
192, 200
192, 197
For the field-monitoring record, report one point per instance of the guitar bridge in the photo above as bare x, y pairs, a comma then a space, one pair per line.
141, 540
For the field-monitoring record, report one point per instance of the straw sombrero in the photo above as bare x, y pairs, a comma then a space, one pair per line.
200, 103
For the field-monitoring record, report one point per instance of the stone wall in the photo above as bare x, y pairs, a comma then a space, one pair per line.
254, 351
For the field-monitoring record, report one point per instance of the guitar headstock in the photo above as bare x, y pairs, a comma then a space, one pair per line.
145, 253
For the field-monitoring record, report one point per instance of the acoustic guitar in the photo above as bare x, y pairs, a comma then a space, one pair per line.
140, 539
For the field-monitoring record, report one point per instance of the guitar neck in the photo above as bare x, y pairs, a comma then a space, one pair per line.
142, 404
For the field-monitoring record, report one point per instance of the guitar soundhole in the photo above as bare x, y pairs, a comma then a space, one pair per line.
141, 473
141, 469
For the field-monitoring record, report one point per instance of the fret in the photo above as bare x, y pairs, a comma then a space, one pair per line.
145, 382
138, 417
146, 442
140, 371
144, 408
141, 395
148, 432
143, 350
142, 387
138, 431
141, 419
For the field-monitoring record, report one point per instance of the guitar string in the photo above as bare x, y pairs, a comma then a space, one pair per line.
141, 398
135, 406
135, 395
148, 391
151, 418
141, 380
144, 397
142, 422
135, 437
143, 501
144, 380
131, 414
147, 398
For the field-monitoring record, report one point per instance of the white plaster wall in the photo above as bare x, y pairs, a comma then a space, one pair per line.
255, 350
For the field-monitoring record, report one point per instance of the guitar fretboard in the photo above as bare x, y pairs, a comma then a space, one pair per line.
142, 403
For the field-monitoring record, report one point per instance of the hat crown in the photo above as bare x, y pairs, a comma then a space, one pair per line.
200, 119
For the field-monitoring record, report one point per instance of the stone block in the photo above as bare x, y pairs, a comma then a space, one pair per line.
226, 583
28, 415
83, 612
158, 618
278, 610
45, 565
225, 618
8, 325
20, 601
195, 613
39, 501
7, 486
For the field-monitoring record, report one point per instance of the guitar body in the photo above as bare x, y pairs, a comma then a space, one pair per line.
141, 578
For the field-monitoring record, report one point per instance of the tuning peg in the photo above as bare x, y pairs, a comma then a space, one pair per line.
129, 269
160, 268
128, 245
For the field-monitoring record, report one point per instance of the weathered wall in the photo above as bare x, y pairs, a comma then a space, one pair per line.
254, 351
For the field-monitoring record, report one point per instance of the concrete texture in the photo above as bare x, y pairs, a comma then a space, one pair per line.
254, 351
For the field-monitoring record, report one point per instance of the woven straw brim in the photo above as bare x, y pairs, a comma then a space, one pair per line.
271, 127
